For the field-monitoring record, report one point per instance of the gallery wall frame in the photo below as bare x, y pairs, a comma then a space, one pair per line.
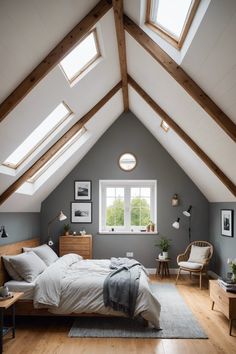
81, 212
83, 190
227, 222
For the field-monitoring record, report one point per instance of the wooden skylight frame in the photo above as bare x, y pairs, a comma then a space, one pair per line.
164, 126
89, 63
162, 32
44, 138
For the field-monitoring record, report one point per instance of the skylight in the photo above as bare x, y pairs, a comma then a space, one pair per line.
59, 153
164, 126
172, 17
81, 57
39, 135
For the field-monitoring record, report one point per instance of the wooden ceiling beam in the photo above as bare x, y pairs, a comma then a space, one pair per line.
54, 57
59, 144
120, 33
181, 77
184, 136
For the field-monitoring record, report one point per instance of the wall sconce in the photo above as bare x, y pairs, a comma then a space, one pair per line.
59, 217
3, 232
175, 200
176, 224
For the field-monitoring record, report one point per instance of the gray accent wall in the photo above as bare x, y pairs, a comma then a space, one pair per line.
20, 226
224, 247
128, 134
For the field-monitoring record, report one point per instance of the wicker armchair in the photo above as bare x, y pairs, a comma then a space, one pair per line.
199, 268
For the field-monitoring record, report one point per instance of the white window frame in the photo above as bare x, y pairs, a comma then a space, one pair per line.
126, 184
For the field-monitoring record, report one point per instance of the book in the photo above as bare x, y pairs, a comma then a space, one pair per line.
227, 281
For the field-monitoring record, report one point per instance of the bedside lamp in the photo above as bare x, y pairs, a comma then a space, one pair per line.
59, 217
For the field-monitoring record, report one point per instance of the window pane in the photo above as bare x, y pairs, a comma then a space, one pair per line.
135, 192
145, 192
48, 125
111, 192
79, 57
171, 14
145, 216
120, 192
136, 202
145, 203
115, 212
135, 216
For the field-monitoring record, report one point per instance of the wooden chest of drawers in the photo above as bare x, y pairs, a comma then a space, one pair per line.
81, 245
225, 301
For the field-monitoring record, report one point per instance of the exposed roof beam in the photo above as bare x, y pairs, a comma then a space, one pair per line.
181, 77
120, 33
198, 151
54, 57
59, 144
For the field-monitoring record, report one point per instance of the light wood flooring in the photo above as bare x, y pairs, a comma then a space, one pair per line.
50, 335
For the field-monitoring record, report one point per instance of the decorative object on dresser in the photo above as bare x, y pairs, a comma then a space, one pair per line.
81, 212
83, 190
227, 284
195, 259
227, 222
61, 216
81, 245
225, 302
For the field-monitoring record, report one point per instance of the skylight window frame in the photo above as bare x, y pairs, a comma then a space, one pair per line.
31, 151
90, 62
164, 33
57, 155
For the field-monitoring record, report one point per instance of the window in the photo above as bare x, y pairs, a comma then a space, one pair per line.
127, 206
81, 57
59, 153
171, 19
38, 136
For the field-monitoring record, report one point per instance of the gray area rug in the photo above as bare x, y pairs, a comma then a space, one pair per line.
177, 321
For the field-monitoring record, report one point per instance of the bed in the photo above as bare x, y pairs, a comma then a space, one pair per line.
73, 286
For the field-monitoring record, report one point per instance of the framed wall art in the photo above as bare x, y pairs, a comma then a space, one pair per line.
83, 190
81, 212
227, 222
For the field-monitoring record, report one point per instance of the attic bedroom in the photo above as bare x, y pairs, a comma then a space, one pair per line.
117, 176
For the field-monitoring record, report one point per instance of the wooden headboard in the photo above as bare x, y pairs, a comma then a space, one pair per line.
12, 249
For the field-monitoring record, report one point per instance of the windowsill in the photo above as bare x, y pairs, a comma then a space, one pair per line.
127, 233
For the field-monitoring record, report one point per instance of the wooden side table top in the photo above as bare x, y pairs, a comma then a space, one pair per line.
163, 260
5, 304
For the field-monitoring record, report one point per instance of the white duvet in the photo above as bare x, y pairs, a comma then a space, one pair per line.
74, 285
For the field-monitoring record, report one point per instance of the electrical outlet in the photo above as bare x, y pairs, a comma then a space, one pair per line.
129, 254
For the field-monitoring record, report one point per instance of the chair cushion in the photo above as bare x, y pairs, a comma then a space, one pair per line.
190, 265
198, 254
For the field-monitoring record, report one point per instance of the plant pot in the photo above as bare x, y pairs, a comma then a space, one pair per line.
165, 255
67, 233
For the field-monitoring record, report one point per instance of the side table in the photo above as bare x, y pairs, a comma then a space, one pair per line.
163, 267
5, 304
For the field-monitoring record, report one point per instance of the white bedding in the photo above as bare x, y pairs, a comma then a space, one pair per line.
74, 285
22, 286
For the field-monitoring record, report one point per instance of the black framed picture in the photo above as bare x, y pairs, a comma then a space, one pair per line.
227, 220
81, 212
83, 190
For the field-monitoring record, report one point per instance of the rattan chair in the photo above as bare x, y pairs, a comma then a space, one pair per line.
198, 268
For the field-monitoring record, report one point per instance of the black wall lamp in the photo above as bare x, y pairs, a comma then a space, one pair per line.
3, 232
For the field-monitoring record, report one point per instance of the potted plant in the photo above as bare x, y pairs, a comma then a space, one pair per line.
164, 245
66, 229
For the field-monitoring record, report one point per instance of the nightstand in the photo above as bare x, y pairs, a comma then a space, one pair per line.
163, 267
81, 245
5, 304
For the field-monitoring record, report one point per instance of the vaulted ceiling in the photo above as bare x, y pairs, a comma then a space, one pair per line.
204, 147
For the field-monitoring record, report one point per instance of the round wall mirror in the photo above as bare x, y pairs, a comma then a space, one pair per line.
127, 161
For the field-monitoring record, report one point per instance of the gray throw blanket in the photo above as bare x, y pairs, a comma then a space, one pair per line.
120, 288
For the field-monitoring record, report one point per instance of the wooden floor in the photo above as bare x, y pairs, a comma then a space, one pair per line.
50, 335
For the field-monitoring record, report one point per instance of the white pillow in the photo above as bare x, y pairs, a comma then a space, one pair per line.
10, 270
44, 252
28, 265
198, 254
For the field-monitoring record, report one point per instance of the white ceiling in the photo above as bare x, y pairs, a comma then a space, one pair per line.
30, 29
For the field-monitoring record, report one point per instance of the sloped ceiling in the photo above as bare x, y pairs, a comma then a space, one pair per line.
30, 29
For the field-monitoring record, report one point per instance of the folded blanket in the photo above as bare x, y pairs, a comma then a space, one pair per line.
120, 288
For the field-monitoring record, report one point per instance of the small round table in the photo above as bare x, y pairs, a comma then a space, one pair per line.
163, 267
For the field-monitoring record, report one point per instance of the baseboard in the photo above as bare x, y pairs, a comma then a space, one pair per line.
175, 271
